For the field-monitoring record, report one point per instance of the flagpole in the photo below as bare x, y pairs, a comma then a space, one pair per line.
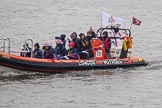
131, 24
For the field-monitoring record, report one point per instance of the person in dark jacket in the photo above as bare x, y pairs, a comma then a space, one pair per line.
84, 47
90, 34
37, 53
60, 49
107, 43
48, 51
72, 53
76, 41
62, 37
84, 43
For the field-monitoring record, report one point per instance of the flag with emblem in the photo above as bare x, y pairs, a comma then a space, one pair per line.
108, 20
135, 21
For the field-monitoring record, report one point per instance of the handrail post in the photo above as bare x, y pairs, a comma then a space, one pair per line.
9, 47
4, 45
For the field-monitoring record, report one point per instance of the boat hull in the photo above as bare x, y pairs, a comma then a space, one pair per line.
58, 66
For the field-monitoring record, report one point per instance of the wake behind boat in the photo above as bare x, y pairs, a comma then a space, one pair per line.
119, 56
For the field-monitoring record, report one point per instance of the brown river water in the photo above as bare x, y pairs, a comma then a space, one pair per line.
42, 20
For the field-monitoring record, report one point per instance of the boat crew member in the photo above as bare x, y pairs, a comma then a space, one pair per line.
48, 51
124, 50
107, 43
37, 53
72, 53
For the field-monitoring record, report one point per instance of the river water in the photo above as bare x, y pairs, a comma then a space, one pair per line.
41, 20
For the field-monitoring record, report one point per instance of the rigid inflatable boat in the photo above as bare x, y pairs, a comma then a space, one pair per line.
99, 61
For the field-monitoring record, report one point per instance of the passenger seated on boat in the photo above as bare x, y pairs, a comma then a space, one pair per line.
60, 49
84, 54
26, 51
37, 53
72, 53
107, 43
90, 34
48, 52
75, 40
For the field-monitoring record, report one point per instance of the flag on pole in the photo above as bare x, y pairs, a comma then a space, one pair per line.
108, 20
135, 21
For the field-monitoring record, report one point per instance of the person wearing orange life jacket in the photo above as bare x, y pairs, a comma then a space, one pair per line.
129, 45
129, 42
72, 53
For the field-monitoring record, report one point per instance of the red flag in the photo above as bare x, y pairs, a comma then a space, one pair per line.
136, 21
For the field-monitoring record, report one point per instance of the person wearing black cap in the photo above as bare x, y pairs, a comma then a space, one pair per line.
37, 53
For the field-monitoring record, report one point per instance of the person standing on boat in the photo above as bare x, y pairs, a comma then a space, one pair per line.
37, 53
48, 51
72, 53
90, 34
107, 43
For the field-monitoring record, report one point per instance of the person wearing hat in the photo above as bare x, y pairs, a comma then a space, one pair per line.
48, 51
37, 53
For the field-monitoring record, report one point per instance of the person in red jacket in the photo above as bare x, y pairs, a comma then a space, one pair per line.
72, 53
107, 43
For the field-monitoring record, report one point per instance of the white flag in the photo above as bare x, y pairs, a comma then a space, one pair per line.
108, 21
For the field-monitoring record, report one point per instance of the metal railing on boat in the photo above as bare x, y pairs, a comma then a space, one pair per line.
7, 48
4, 44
